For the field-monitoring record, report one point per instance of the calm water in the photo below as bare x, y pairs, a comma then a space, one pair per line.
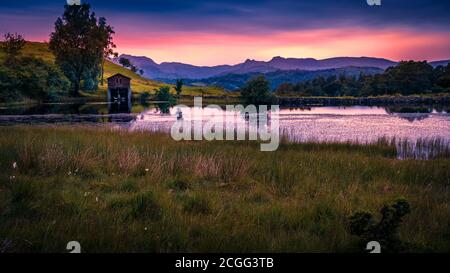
338, 124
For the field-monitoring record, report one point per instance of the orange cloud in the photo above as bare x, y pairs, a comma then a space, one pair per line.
212, 49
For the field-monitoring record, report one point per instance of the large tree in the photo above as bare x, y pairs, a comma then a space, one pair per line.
80, 44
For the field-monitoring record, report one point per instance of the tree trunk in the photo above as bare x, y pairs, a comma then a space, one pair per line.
76, 87
103, 70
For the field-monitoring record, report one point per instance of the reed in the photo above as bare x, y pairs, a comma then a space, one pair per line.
118, 191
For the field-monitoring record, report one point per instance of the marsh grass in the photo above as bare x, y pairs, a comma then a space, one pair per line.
118, 191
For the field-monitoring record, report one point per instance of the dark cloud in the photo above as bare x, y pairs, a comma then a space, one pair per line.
242, 16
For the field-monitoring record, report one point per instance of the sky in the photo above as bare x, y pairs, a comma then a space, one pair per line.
213, 32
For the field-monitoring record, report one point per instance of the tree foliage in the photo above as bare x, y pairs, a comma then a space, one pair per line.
125, 62
163, 94
12, 45
80, 43
109, 50
179, 87
33, 78
385, 231
257, 90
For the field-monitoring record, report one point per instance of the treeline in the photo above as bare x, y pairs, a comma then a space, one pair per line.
407, 78
126, 63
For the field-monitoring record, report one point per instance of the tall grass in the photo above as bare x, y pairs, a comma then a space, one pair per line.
118, 191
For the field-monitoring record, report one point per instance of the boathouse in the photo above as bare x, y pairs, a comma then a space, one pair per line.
119, 88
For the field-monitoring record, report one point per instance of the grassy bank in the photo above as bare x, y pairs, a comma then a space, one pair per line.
139, 84
139, 192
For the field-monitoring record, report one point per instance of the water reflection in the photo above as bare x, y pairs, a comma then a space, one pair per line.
355, 123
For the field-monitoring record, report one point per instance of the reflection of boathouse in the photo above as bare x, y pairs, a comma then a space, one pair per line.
119, 93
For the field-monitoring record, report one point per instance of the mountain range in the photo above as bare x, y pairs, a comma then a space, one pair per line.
236, 81
174, 70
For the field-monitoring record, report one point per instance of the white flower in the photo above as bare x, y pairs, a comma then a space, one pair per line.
12, 177
14, 165
96, 199
145, 228
147, 170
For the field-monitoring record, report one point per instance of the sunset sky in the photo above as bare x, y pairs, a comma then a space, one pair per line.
207, 32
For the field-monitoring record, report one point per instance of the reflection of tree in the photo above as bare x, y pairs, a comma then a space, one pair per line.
410, 113
413, 117
163, 108
409, 110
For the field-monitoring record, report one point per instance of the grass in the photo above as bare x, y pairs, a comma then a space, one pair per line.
138, 84
117, 191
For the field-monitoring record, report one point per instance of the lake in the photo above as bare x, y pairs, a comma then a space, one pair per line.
360, 124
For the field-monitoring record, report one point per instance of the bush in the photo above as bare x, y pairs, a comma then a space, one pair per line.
163, 94
32, 78
144, 97
385, 232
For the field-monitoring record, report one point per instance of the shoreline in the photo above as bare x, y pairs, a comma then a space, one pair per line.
365, 101
413, 100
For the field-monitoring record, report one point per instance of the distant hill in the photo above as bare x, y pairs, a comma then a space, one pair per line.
169, 71
235, 81
187, 71
175, 70
440, 63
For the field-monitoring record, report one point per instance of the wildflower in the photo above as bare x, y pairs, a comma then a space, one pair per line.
147, 170
14, 165
96, 199
145, 228
69, 173
12, 177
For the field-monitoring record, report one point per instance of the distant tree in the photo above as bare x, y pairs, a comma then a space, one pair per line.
134, 68
257, 90
141, 72
79, 43
179, 87
12, 45
408, 77
443, 77
163, 94
125, 62
285, 89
